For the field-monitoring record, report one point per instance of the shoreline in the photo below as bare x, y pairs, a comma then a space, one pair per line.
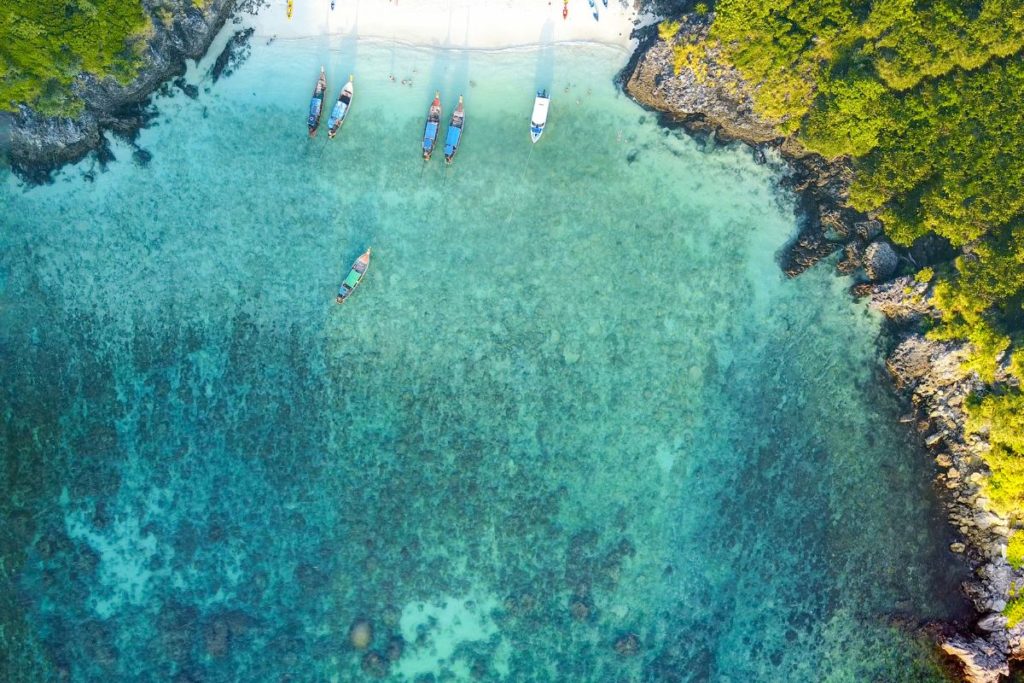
450, 24
525, 47
38, 146
924, 373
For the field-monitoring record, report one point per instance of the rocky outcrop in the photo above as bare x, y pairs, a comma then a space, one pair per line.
981, 662
39, 144
880, 261
714, 99
931, 374
718, 97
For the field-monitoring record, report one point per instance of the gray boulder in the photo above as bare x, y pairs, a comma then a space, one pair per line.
880, 261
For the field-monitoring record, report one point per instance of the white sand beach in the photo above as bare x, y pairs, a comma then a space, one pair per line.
459, 24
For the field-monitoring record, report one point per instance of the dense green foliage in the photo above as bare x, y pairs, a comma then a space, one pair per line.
1015, 551
45, 46
925, 97
1014, 611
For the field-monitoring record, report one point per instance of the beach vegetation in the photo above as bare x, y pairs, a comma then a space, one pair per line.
922, 96
1014, 611
690, 56
44, 47
668, 29
1015, 550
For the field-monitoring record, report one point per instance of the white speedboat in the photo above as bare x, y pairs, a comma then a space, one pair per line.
540, 115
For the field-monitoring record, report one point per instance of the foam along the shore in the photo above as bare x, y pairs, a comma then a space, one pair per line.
467, 24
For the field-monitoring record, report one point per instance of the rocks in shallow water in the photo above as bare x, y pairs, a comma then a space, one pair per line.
628, 645
176, 626
851, 261
218, 638
868, 230
234, 53
982, 661
360, 634
375, 665
579, 609
957, 547
223, 629
190, 90
880, 261
396, 645
142, 157
992, 622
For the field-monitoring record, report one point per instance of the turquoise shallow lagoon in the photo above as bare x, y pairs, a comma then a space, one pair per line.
574, 426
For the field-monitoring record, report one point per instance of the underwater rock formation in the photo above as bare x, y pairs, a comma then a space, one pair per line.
360, 635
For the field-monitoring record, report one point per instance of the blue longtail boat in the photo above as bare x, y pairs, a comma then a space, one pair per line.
433, 126
454, 137
354, 277
316, 105
340, 110
593, 8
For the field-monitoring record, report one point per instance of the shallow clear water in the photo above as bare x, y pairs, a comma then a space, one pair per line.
573, 400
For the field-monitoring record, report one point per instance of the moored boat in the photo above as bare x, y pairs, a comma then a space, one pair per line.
454, 137
433, 126
354, 277
340, 110
316, 105
593, 8
540, 115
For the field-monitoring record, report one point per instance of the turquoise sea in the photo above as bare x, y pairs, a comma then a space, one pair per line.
574, 426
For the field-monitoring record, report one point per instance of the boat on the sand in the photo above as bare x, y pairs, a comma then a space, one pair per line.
454, 137
355, 276
316, 105
340, 110
433, 126
540, 115
593, 8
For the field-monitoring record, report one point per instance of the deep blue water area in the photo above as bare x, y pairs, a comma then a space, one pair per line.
575, 425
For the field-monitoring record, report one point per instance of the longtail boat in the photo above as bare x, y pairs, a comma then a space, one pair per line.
316, 105
593, 8
290, 9
433, 126
340, 110
355, 276
540, 115
454, 137
605, 3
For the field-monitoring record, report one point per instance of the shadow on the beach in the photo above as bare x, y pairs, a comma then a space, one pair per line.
458, 80
545, 72
347, 50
